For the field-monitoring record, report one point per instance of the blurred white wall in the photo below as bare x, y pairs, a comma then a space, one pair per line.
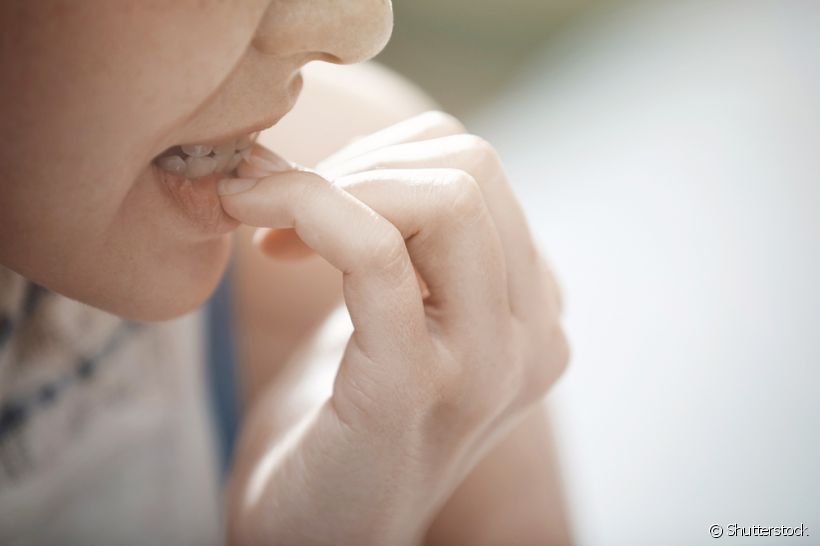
669, 156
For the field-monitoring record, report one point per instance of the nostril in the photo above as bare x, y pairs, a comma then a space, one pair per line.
337, 32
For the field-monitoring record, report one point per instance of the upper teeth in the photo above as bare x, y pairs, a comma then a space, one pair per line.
199, 160
197, 150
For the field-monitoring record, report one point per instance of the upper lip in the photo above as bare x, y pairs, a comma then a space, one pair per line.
256, 127
261, 125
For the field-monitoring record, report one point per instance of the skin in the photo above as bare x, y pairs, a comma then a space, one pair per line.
160, 74
439, 388
513, 496
418, 397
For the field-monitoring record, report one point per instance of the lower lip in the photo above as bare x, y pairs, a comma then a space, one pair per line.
197, 202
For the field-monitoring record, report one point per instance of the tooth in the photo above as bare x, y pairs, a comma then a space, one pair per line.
243, 142
223, 154
198, 167
197, 150
246, 153
234, 162
172, 163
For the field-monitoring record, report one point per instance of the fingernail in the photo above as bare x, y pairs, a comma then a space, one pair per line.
270, 162
228, 186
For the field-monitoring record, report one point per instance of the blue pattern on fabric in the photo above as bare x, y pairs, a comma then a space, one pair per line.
222, 370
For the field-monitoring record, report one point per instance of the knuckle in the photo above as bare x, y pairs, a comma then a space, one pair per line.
465, 199
482, 155
555, 301
437, 118
301, 195
562, 351
479, 144
385, 250
548, 365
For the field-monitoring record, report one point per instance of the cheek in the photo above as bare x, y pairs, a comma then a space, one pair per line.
131, 255
76, 220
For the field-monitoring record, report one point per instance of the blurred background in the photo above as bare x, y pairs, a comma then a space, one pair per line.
668, 156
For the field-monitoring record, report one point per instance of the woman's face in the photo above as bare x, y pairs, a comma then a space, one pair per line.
95, 91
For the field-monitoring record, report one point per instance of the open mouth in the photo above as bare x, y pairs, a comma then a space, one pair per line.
188, 174
193, 161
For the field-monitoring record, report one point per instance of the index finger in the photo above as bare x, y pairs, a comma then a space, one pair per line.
426, 126
380, 286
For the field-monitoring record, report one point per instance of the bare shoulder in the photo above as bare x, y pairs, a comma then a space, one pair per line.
279, 303
339, 103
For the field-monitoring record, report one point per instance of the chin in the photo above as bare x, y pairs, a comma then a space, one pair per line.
168, 289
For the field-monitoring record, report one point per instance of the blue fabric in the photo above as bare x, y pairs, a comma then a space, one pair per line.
222, 370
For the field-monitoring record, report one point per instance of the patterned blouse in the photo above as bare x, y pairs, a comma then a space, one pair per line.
105, 432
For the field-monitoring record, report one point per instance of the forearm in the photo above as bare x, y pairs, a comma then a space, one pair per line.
325, 484
513, 496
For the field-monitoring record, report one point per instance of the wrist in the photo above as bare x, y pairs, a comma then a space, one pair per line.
322, 483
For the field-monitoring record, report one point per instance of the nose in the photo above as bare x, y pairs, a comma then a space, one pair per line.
337, 31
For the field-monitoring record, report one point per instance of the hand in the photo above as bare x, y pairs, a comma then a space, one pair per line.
427, 384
